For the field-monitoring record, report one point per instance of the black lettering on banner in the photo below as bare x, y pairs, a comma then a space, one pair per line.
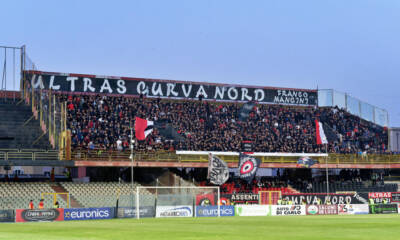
171, 89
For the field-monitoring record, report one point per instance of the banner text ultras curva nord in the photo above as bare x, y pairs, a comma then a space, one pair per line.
165, 88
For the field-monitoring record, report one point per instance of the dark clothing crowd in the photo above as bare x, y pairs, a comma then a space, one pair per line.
104, 122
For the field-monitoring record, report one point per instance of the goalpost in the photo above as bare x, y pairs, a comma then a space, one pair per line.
55, 196
177, 201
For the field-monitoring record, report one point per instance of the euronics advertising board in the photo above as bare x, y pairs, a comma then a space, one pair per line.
174, 211
212, 211
129, 212
284, 210
322, 209
346, 209
252, 210
36, 215
88, 213
7, 216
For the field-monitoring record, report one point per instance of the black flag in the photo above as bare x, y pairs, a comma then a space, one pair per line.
170, 133
218, 171
248, 166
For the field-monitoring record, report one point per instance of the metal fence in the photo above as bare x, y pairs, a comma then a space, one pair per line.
167, 156
11, 68
366, 111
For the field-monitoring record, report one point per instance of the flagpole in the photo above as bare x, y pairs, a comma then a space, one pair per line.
131, 157
327, 175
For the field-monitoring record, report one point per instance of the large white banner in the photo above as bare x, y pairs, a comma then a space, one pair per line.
284, 210
252, 210
346, 209
174, 211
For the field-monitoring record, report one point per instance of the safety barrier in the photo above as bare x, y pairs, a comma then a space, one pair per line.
28, 154
171, 156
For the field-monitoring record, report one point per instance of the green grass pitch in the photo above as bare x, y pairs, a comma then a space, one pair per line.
360, 227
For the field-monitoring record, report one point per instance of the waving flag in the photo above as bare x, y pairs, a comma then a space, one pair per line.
324, 133
248, 166
143, 128
218, 171
245, 111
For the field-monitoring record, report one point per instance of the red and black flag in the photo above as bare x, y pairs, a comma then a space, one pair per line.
144, 127
248, 166
324, 134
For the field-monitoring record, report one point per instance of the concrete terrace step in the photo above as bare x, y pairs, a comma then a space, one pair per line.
12, 120
60, 189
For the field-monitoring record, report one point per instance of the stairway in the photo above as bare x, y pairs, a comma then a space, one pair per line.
14, 134
60, 189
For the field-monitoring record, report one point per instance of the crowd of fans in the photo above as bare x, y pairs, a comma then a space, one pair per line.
104, 122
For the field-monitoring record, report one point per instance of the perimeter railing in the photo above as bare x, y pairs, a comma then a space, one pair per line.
171, 156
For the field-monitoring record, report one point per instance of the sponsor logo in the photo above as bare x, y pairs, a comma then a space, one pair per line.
40, 215
312, 209
177, 212
212, 211
289, 210
353, 209
322, 210
252, 210
7, 216
87, 213
383, 208
131, 212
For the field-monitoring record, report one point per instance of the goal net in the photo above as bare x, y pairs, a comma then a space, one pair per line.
269, 197
165, 201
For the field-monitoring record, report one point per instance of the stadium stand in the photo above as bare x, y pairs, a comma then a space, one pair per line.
100, 121
101, 194
15, 195
347, 187
18, 128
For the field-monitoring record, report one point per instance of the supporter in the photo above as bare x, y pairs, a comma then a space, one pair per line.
100, 121
31, 205
41, 204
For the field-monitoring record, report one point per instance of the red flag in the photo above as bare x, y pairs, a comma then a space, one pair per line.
142, 129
